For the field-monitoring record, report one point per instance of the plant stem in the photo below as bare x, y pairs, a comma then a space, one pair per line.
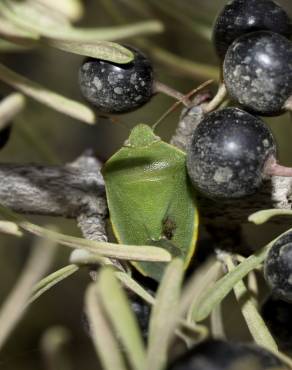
200, 71
159, 87
254, 321
217, 100
272, 168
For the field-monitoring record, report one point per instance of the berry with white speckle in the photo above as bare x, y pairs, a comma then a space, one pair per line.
117, 88
258, 72
239, 17
278, 268
228, 152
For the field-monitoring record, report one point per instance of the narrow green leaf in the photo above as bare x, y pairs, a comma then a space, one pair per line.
261, 217
106, 33
199, 28
71, 9
10, 107
217, 323
10, 228
131, 284
122, 318
54, 342
105, 343
47, 97
254, 321
14, 306
200, 280
111, 250
164, 316
11, 47
201, 71
214, 295
105, 50
83, 257
51, 280
13, 33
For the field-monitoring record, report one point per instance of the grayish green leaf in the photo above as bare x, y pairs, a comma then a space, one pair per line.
105, 50
261, 217
122, 318
131, 284
71, 9
254, 321
10, 228
214, 295
51, 280
164, 316
54, 344
105, 343
15, 304
10, 107
111, 250
47, 97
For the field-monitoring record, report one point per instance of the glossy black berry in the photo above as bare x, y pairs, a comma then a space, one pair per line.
221, 355
117, 88
227, 154
258, 72
278, 268
239, 17
278, 318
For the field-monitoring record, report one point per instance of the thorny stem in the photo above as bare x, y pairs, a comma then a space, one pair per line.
217, 100
159, 87
272, 168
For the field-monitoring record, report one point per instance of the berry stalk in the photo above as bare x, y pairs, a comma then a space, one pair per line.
159, 87
272, 168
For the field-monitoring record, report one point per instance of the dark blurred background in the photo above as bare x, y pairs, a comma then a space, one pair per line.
66, 139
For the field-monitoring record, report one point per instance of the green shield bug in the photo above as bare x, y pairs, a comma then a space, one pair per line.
150, 198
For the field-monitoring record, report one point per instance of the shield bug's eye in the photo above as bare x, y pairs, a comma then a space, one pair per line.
223, 355
278, 268
258, 72
117, 88
228, 152
244, 16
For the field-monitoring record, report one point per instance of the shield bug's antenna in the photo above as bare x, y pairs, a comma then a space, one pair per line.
182, 100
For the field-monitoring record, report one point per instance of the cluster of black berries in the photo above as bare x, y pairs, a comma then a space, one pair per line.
232, 150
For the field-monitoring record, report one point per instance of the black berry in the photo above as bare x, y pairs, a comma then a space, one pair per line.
278, 318
258, 71
239, 17
278, 268
227, 153
221, 355
117, 88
